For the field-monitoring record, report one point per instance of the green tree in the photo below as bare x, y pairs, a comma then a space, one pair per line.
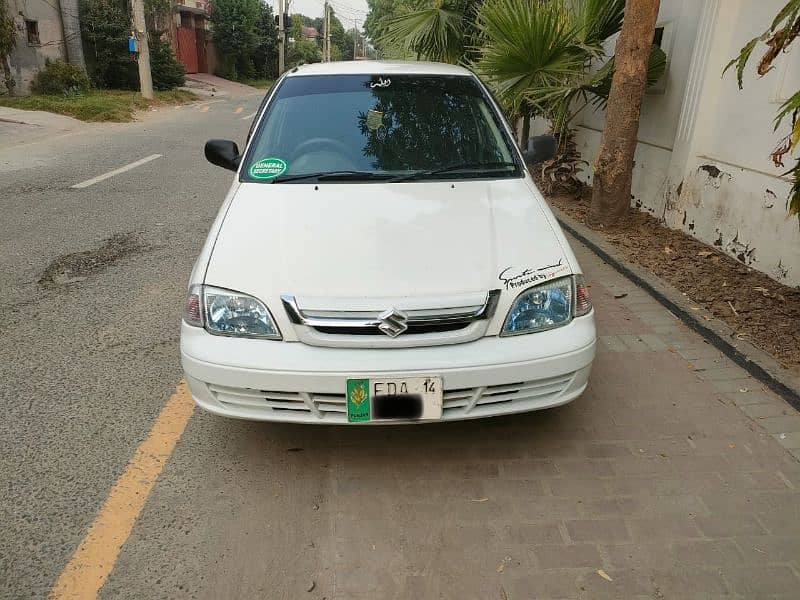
235, 32
338, 39
380, 13
296, 30
266, 53
613, 168
105, 29
302, 52
537, 54
352, 37
7, 44
167, 72
440, 30
783, 31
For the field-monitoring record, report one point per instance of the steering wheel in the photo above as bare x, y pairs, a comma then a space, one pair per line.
321, 144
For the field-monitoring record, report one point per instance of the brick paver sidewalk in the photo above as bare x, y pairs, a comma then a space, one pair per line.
658, 483
662, 482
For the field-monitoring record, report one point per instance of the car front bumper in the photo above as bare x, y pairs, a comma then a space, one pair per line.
292, 382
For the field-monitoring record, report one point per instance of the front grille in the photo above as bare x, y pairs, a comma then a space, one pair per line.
491, 399
391, 323
412, 329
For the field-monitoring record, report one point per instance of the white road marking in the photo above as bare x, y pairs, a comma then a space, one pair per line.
244, 118
104, 176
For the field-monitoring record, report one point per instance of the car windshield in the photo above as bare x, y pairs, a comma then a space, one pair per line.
378, 128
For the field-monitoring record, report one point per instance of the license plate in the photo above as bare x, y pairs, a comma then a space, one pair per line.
394, 399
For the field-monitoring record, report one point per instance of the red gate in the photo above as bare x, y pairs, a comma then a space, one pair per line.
200, 38
187, 48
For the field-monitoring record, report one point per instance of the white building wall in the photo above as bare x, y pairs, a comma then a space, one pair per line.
702, 164
27, 59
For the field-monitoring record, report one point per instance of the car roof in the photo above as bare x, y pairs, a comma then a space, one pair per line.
378, 67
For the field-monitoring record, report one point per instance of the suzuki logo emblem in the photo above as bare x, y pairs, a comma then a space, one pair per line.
393, 322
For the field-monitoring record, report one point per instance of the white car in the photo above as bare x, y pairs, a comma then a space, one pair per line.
384, 256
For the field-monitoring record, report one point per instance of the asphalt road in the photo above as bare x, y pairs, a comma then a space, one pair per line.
88, 364
655, 484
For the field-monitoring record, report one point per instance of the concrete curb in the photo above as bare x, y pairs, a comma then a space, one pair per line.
756, 362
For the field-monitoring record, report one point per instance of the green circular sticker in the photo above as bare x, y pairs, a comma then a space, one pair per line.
268, 168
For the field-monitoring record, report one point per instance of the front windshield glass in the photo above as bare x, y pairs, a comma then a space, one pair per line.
370, 127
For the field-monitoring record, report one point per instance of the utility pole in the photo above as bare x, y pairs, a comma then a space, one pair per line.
281, 40
328, 30
325, 33
143, 49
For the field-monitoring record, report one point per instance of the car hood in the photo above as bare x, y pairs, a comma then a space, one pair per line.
358, 246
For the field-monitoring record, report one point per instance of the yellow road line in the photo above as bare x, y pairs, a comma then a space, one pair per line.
238, 110
93, 561
204, 108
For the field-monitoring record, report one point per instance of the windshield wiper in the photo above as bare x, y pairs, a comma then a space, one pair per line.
333, 176
473, 167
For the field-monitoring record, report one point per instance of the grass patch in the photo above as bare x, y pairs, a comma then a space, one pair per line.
98, 105
259, 83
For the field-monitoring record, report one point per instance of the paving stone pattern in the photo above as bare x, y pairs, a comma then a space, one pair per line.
672, 477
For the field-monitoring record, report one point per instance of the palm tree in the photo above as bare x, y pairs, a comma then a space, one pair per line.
439, 30
537, 54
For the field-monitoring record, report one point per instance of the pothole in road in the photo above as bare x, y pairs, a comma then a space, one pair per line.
75, 267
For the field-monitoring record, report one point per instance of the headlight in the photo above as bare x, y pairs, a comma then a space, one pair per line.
542, 307
224, 312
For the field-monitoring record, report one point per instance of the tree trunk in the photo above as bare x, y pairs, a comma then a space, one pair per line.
8, 77
611, 198
526, 131
73, 45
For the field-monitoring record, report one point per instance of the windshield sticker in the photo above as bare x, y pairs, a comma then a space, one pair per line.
381, 83
268, 168
374, 119
514, 278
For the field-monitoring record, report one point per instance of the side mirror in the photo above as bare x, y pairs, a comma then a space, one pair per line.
223, 153
540, 149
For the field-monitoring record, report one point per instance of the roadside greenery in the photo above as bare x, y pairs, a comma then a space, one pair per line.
537, 55
105, 29
783, 31
265, 57
107, 105
439, 30
7, 44
542, 58
262, 84
235, 33
59, 77
341, 40
246, 39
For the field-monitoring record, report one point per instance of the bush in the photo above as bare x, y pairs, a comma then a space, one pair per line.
302, 52
59, 77
105, 27
167, 72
